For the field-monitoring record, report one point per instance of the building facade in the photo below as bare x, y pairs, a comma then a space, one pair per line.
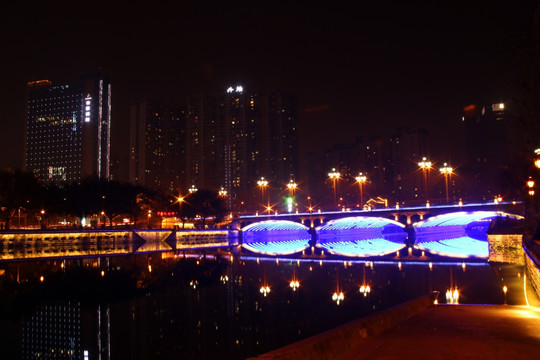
157, 146
408, 146
68, 129
236, 138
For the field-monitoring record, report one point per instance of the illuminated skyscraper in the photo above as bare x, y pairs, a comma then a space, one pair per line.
236, 138
407, 147
68, 132
157, 146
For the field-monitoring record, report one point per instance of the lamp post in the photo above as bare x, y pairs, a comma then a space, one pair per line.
447, 172
530, 185
361, 179
262, 184
425, 165
192, 189
334, 176
292, 187
222, 192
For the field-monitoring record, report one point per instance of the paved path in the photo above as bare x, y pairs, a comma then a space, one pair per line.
459, 332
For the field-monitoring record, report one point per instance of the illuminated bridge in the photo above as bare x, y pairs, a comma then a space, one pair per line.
404, 215
457, 234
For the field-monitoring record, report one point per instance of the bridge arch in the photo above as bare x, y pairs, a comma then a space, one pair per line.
275, 237
460, 234
361, 236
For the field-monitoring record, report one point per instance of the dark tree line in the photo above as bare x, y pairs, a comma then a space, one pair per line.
22, 192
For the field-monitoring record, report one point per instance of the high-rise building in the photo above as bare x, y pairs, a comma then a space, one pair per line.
235, 138
487, 141
157, 146
407, 148
68, 129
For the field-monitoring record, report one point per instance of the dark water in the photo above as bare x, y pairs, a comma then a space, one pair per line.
161, 306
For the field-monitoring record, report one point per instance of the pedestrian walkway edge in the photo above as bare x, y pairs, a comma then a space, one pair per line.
330, 344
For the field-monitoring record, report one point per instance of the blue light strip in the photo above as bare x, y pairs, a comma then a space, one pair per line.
275, 225
363, 262
461, 218
457, 247
286, 247
361, 248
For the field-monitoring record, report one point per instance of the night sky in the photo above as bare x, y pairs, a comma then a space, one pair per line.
362, 70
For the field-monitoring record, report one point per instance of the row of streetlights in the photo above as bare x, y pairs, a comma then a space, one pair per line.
334, 175
446, 170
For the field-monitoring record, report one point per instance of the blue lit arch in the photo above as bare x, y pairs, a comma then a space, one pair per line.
361, 236
275, 237
461, 234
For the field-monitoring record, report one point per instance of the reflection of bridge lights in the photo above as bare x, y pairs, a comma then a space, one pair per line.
505, 290
265, 290
193, 283
365, 289
399, 265
294, 284
224, 278
338, 297
452, 296
463, 266
430, 266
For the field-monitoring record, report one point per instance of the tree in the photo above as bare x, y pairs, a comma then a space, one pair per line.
18, 191
207, 203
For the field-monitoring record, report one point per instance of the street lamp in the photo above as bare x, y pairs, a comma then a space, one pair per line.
361, 179
222, 192
262, 184
334, 176
530, 185
447, 172
193, 189
425, 165
292, 187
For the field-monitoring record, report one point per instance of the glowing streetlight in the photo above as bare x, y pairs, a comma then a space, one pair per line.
425, 165
361, 179
334, 176
265, 290
193, 189
447, 171
530, 185
292, 187
537, 160
222, 192
338, 297
262, 184
505, 290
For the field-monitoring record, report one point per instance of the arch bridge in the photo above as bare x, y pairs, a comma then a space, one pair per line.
404, 215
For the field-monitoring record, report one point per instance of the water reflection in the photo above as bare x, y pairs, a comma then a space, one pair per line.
170, 306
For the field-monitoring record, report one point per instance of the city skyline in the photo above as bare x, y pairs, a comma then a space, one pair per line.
363, 72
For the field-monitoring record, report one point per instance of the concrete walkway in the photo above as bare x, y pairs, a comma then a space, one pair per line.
458, 332
418, 330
